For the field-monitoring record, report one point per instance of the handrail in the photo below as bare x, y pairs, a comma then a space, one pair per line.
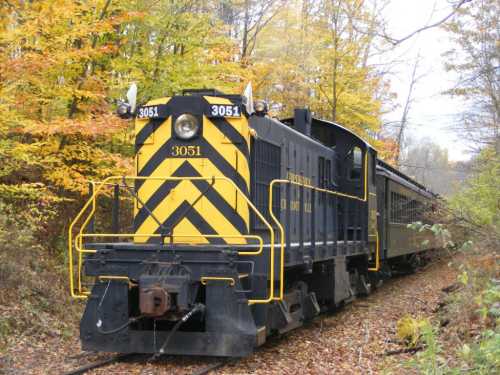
92, 202
80, 249
377, 254
315, 188
204, 279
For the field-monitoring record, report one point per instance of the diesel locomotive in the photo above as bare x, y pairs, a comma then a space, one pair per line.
240, 226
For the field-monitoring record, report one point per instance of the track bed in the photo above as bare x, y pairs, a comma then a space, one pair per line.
351, 340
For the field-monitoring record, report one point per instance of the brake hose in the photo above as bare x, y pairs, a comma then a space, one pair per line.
117, 329
99, 321
199, 307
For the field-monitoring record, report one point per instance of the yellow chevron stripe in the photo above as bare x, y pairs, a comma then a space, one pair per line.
147, 151
187, 191
217, 100
227, 150
241, 125
166, 168
206, 168
165, 208
162, 135
139, 125
149, 187
185, 227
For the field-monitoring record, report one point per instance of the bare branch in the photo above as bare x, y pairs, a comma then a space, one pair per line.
395, 41
406, 110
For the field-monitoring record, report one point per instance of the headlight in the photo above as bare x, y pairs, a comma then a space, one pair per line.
186, 126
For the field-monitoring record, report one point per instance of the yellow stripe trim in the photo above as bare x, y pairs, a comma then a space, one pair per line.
159, 101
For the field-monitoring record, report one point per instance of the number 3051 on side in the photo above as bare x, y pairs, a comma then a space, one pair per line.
224, 110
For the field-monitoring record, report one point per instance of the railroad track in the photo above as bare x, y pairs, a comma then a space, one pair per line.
123, 357
97, 364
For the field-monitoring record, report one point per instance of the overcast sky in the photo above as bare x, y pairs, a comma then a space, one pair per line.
432, 114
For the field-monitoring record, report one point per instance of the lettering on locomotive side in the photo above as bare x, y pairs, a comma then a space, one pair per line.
295, 206
299, 179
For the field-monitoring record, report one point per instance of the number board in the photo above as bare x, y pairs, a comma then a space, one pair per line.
224, 110
152, 111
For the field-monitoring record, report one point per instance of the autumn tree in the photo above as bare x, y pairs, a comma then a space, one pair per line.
55, 79
175, 45
313, 55
61, 72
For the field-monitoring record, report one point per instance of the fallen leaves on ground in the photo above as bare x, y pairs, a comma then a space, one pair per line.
353, 340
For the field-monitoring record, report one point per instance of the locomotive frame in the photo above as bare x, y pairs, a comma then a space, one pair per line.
257, 227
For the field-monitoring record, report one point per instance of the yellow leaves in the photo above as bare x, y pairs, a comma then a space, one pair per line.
68, 178
409, 329
29, 192
99, 124
77, 163
48, 67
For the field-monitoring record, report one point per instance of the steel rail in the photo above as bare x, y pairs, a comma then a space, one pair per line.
104, 362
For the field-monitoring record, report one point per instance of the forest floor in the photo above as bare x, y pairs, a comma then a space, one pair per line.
354, 340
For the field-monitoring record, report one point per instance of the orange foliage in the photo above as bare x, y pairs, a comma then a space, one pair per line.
387, 150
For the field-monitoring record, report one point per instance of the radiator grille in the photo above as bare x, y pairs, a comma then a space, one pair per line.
266, 165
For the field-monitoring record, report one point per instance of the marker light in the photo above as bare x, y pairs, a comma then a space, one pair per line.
261, 107
123, 110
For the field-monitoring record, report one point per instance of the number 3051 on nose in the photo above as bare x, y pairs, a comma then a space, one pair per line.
224, 110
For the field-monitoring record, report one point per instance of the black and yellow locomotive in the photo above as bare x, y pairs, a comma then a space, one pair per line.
243, 226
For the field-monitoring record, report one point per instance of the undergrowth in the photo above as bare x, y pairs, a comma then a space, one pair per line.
464, 334
33, 298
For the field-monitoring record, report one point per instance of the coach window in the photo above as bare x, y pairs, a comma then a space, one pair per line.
357, 163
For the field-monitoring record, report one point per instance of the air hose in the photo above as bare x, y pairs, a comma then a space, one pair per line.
117, 329
198, 308
99, 321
